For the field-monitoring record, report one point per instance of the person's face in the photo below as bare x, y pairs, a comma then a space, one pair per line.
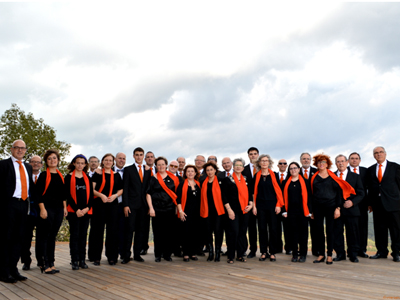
79, 164
380, 155
341, 163
305, 161
199, 162
108, 162
282, 165
52, 161
120, 160
294, 170
190, 173
93, 163
182, 163
210, 171
227, 164
173, 167
264, 163
138, 156
354, 160
212, 158
161, 166
238, 167
253, 156
36, 164
322, 165
18, 150
149, 159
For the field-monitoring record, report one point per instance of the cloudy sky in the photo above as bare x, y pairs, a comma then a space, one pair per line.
182, 78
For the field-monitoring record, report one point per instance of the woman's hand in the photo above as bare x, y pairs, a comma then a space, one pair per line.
43, 213
85, 211
284, 215
104, 198
312, 216
255, 211
336, 214
79, 213
248, 208
65, 212
231, 214
277, 210
182, 215
112, 198
152, 212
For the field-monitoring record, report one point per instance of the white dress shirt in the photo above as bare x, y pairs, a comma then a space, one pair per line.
121, 173
344, 174
357, 169
284, 175
35, 175
18, 187
91, 173
308, 172
230, 173
383, 168
251, 169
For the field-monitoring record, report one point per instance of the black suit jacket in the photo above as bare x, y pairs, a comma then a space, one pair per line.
312, 172
389, 188
281, 185
134, 195
248, 173
355, 181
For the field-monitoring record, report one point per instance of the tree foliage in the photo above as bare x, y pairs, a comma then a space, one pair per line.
38, 136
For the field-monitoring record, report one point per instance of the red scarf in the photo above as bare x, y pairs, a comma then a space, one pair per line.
243, 192
216, 192
48, 179
103, 183
303, 194
166, 189
72, 189
347, 189
278, 191
184, 193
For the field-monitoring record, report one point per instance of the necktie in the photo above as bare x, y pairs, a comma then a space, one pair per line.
140, 173
24, 186
341, 175
180, 173
355, 170
281, 178
380, 173
35, 179
254, 170
152, 171
227, 175
305, 174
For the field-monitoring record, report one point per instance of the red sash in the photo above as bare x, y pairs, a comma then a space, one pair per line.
103, 183
184, 193
166, 189
243, 192
72, 190
174, 178
278, 191
347, 189
303, 194
48, 179
216, 192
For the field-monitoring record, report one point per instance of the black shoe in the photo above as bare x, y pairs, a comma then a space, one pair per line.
272, 258
339, 258
251, 254
294, 259
378, 255
43, 270
329, 262
186, 259
263, 258
19, 277
362, 254
8, 279
83, 265
138, 258
143, 252
75, 265
158, 259
217, 255
26, 267
319, 261
289, 252
302, 259
125, 261
96, 263
170, 259
192, 258
354, 259
111, 263
396, 258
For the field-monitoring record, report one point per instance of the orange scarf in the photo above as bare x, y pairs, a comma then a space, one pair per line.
303, 194
174, 178
166, 189
347, 189
216, 192
103, 183
184, 193
48, 179
243, 192
72, 190
278, 191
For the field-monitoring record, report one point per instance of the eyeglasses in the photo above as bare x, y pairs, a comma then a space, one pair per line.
293, 169
19, 148
239, 166
264, 160
282, 163
36, 162
214, 159
379, 152
322, 162
199, 160
171, 166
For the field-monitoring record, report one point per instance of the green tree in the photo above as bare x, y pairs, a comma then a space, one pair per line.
38, 136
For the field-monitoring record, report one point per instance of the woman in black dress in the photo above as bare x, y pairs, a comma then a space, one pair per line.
53, 208
268, 201
107, 188
161, 198
236, 196
328, 191
188, 201
297, 210
212, 209
79, 190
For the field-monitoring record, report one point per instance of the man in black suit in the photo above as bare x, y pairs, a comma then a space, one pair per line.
349, 214
136, 181
120, 160
173, 167
354, 161
383, 182
199, 162
228, 170
93, 165
182, 162
15, 181
250, 171
150, 158
308, 172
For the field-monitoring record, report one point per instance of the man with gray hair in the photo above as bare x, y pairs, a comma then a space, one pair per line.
93, 165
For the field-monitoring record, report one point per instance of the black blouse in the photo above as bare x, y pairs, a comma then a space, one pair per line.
230, 194
266, 197
118, 185
192, 206
161, 201
326, 191
81, 196
55, 193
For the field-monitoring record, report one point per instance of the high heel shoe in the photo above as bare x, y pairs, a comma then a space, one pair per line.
319, 261
54, 268
329, 262
44, 268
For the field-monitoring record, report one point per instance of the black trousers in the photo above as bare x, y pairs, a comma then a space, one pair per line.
363, 225
384, 221
315, 238
236, 231
215, 226
297, 225
31, 222
282, 226
135, 222
252, 228
352, 237
104, 215
324, 212
12, 225
178, 238
46, 233
78, 228
146, 232
267, 230
190, 233
163, 231
121, 230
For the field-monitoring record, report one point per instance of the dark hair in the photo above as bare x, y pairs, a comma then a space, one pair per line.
359, 156
50, 152
138, 149
196, 177
71, 166
106, 155
320, 157
212, 164
161, 158
293, 163
252, 149
93, 157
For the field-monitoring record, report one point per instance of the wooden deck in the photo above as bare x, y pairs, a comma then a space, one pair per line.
369, 279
